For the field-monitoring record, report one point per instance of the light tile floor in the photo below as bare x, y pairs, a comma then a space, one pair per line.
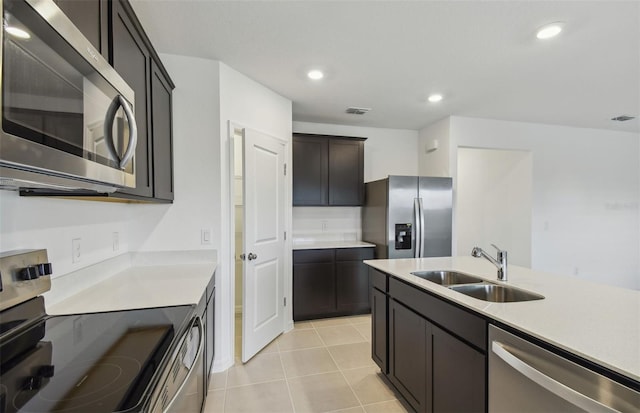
319, 366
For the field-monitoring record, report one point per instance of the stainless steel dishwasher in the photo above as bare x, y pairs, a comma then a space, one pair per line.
524, 377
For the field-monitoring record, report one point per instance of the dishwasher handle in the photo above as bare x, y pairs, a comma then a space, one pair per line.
565, 392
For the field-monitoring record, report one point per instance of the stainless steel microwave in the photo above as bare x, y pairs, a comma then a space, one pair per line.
67, 117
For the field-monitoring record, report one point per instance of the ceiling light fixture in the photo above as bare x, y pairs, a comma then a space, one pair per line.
17, 32
549, 30
435, 98
315, 74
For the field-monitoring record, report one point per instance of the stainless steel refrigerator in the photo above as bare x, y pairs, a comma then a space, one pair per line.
408, 216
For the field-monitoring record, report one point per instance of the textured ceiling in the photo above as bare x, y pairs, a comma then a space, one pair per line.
390, 55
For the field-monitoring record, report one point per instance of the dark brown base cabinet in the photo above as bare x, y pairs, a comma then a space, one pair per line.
436, 351
330, 282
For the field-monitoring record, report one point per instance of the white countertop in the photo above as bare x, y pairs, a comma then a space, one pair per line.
140, 281
598, 322
313, 245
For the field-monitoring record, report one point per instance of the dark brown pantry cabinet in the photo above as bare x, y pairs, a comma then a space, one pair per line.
330, 282
328, 170
437, 352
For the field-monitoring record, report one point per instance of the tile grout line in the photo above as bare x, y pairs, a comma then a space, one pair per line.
341, 373
286, 379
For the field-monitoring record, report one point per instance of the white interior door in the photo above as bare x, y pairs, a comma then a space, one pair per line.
263, 246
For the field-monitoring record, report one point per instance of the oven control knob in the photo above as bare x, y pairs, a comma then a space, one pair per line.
29, 273
32, 383
45, 268
46, 371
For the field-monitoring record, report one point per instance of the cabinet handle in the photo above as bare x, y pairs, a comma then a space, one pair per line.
565, 392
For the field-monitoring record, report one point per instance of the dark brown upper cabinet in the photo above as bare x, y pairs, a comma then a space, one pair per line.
161, 123
91, 17
328, 170
115, 31
131, 59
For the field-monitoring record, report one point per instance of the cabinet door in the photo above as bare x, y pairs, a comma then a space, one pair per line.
130, 58
161, 134
346, 172
91, 18
408, 350
314, 290
379, 303
352, 287
459, 383
310, 173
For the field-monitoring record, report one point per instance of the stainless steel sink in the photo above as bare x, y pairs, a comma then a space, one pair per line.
447, 277
496, 293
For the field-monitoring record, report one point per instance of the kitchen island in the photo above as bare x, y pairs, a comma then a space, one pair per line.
597, 326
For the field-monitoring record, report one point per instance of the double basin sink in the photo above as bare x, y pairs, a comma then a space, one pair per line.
477, 287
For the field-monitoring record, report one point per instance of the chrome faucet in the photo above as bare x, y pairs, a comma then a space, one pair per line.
500, 262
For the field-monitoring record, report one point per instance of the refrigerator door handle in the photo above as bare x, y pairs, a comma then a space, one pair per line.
417, 214
421, 211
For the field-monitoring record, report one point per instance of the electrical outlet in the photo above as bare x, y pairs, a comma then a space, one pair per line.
116, 241
205, 236
76, 251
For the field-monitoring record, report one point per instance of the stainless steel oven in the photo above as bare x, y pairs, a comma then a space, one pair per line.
67, 116
142, 360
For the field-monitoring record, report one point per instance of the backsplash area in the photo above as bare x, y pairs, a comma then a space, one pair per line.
326, 224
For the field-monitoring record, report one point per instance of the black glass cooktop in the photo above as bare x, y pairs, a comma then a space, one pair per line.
98, 362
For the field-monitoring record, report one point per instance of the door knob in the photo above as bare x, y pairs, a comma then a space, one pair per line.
252, 256
243, 257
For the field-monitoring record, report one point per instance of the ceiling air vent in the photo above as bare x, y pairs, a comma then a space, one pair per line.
357, 111
623, 118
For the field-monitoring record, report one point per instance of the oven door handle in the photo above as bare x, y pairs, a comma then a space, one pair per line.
192, 369
108, 133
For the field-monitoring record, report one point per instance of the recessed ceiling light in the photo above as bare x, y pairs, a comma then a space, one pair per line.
17, 32
315, 74
435, 98
550, 30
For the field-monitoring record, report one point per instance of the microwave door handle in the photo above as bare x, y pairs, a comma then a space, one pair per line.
108, 130
133, 133
565, 392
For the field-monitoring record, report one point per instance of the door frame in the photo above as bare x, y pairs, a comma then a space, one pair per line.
230, 256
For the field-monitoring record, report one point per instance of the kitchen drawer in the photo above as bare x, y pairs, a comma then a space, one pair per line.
313, 256
379, 280
354, 254
465, 325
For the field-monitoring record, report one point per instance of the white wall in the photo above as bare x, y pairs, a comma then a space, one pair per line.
586, 187
248, 104
326, 224
196, 151
434, 162
51, 223
494, 202
386, 151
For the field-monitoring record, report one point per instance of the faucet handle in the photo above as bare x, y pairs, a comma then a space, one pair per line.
497, 248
